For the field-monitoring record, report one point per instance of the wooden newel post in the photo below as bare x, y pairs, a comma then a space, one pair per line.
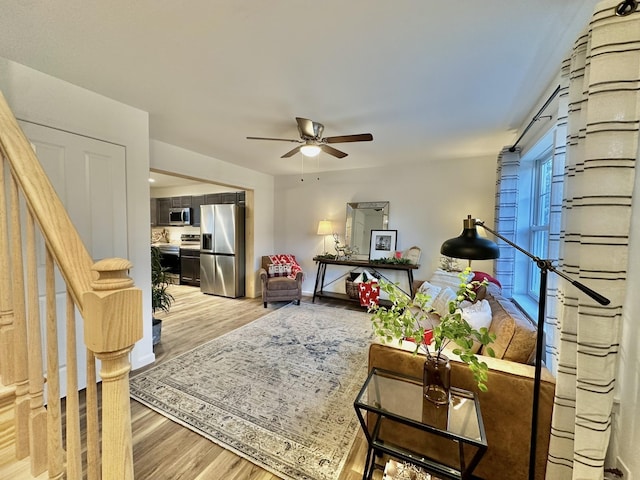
113, 324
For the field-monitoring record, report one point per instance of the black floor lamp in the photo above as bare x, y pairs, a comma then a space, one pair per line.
469, 245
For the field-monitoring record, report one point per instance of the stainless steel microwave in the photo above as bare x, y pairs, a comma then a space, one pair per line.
180, 216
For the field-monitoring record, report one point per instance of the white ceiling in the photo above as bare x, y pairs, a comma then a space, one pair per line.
429, 79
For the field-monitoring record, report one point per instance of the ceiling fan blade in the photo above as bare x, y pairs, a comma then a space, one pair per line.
276, 139
333, 151
292, 152
362, 137
306, 127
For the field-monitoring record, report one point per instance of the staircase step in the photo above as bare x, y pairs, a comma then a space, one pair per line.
20, 470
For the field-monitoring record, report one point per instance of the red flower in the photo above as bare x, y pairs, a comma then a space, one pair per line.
428, 337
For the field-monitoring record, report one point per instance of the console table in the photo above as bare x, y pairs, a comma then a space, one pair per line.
375, 268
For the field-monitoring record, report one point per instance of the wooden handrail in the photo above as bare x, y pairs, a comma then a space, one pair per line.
70, 254
111, 308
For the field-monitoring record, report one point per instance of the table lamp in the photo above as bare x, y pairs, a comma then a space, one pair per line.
325, 228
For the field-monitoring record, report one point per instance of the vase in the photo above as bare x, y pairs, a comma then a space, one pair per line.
437, 379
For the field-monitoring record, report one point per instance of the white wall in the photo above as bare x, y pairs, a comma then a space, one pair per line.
171, 159
40, 98
427, 205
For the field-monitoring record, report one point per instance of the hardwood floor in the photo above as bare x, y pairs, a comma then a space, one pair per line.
165, 450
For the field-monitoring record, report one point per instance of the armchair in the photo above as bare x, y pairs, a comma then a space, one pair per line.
280, 288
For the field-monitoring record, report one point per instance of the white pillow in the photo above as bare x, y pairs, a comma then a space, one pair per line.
441, 303
360, 278
431, 290
478, 314
442, 278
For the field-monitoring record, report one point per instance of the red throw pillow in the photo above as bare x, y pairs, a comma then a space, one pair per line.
286, 259
480, 276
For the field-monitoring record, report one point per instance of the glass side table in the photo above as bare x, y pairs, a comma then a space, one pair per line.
447, 441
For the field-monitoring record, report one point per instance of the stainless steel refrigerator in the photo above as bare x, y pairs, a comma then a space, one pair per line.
222, 269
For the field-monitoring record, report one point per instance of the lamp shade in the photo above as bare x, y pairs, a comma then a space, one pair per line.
325, 228
310, 150
469, 245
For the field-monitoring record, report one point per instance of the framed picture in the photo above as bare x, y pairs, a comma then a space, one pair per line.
412, 254
383, 244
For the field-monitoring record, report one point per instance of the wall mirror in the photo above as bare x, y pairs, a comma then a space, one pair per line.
362, 217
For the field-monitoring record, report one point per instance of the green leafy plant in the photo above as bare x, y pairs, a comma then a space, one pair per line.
161, 299
391, 261
409, 319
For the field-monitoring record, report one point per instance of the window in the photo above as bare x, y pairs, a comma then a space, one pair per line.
539, 226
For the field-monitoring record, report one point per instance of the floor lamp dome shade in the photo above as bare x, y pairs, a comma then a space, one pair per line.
469, 245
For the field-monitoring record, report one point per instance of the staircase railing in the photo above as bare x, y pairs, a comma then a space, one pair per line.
111, 309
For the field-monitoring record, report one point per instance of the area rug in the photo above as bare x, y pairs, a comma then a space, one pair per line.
278, 391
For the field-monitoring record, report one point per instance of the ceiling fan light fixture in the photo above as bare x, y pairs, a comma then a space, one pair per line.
310, 150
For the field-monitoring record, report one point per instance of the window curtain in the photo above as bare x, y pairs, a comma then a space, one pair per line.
506, 215
602, 145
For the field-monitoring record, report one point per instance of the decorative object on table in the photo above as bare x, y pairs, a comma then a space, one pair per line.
469, 245
436, 379
408, 319
395, 470
383, 244
260, 393
369, 291
449, 264
326, 256
391, 261
161, 299
361, 218
412, 254
325, 228
343, 252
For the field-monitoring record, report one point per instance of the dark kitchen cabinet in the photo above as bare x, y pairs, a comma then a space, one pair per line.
237, 198
212, 199
163, 205
178, 202
196, 201
189, 267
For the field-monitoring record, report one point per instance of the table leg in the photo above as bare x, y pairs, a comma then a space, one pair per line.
410, 275
319, 280
369, 464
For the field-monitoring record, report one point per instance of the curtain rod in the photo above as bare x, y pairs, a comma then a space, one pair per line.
535, 118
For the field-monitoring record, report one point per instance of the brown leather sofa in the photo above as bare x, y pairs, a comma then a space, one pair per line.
279, 289
505, 407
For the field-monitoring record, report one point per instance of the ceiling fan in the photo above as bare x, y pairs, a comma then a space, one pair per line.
313, 142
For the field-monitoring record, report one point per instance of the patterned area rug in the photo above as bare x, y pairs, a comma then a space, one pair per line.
278, 391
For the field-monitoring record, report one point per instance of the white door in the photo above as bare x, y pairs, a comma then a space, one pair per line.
90, 179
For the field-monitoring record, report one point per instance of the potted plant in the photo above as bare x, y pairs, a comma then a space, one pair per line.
409, 319
161, 299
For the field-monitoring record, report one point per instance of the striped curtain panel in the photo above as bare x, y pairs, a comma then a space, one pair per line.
602, 146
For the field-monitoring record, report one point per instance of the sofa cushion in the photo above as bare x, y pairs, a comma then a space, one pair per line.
286, 259
442, 278
431, 291
481, 276
515, 334
282, 283
441, 303
279, 270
